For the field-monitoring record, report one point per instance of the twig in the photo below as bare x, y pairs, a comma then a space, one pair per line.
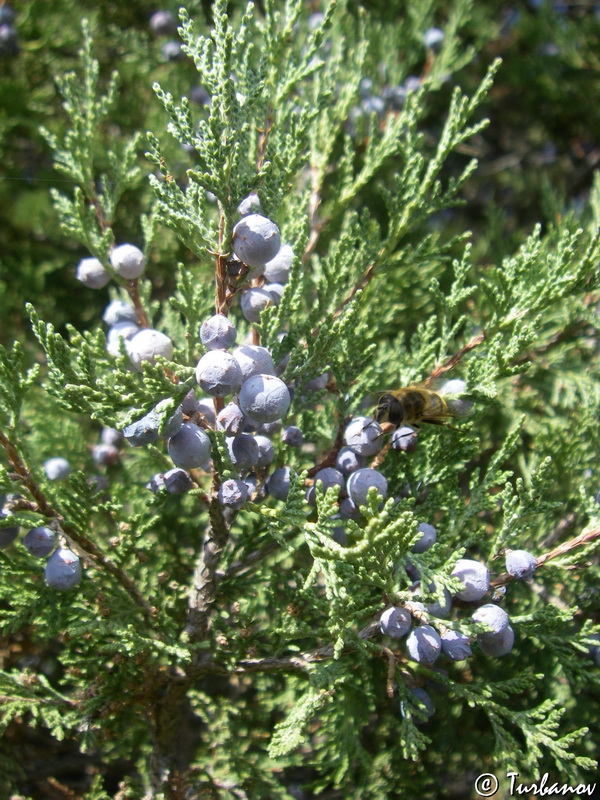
134, 293
221, 272
453, 360
391, 670
87, 546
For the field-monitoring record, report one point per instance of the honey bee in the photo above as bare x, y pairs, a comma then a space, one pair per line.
419, 403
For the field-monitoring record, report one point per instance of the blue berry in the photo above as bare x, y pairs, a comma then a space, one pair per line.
499, 645
424, 644
217, 333
264, 398
91, 273
119, 311
128, 261
278, 483
57, 469
292, 436
190, 447
266, 451
438, 609
426, 540
364, 436
7, 535
395, 621
349, 509
163, 23
147, 345
233, 493
405, 439
39, 541
156, 484
254, 360
142, 431
433, 38
348, 461
7, 14
172, 51
243, 452
231, 420
276, 291
361, 481
474, 576
422, 701
253, 302
177, 481
494, 618
63, 570
256, 240
120, 331
277, 270
111, 436
520, 564
329, 477
455, 645
105, 455
218, 373
250, 205
207, 408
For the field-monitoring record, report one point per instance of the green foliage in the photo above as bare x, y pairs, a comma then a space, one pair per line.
238, 653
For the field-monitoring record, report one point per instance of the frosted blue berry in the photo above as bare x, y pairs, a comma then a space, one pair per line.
474, 576
438, 609
111, 436
256, 240
39, 541
147, 345
231, 420
174, 421
422, 701
190, 447
7, 535
405, 439
63, 569
91, 273
217, 333
128, 261
364, 436
250, 205
278, 483
243, 452
266, 451
361, 481
253, 302
119, 311
218, 373
349, 509
268, 428
426, 540
292, 436
177, 481
348, 461
156, 484
172, 51
105, 455
57, 469
494, 618
233, 493
120, 331
264, 398
7, 15
329, 477
277, 270
520, 564
318, 383
200, 96
499, 645
424, 644
433, 38
254, 360
189, 404
395, 622
163, 23
207, 408
276, 291
142, 431
456, 646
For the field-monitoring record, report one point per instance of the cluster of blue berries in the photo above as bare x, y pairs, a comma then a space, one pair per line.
9, 38
63, 567
433, 635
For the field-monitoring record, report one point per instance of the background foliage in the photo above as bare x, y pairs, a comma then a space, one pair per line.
524, 475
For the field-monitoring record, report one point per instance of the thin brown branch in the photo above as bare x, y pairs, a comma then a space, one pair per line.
134, 293
453, 360
84, 544
391, 671
221, 306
